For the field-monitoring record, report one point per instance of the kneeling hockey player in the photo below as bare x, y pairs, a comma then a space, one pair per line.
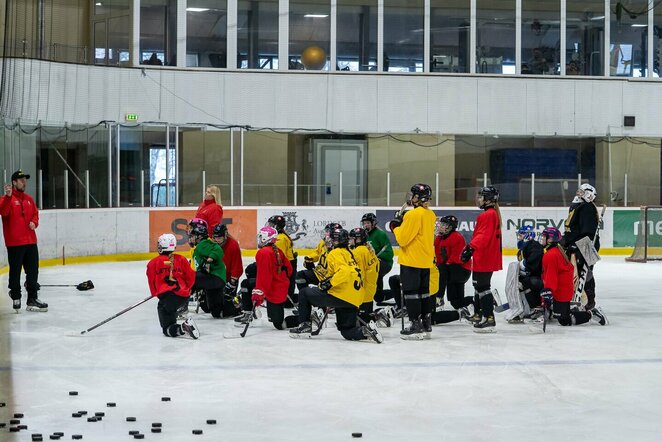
170, 278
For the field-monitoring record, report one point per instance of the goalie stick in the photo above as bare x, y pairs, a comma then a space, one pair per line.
583, 274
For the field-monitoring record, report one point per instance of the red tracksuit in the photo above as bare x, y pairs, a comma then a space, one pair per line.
158, 270
234, 266
17, 211
449, 249
210, 212
274, 281
558, 274
486, 242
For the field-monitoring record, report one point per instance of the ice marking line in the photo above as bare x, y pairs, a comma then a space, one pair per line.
335, 366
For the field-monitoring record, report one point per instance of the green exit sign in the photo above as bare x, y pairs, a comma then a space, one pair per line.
131, 117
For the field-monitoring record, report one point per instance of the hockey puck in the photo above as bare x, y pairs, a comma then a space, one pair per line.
76, 436
76, 415
59, 433
73, 393
22, 427
156, 424
211, 421
18, 415
3, 425
99, 413
37, 439
156, 430
165, 399
2, 404
111, 404
92, 419
55, 437
14, 421
130, 419
82, 412
14, 429
133, 432
197, 431
139, 436
357, 434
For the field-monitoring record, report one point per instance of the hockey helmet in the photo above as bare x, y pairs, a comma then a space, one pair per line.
266, 235
358, 236
526, 233
489, 195
277, 222
587, 192
328, 228
197, 234
369, 221
552, 235
339, 238
449, 221
220, 230
196, 222
166, 243
422, 191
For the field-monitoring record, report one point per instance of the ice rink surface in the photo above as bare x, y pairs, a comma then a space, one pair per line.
584, 383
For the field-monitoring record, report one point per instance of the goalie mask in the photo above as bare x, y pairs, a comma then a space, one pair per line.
265, 236
587, 192
166, 243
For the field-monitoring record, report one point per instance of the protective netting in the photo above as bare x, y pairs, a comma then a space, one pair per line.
648, 246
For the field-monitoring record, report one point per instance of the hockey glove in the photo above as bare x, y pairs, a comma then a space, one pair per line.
467, 253
257, 296
231, 286
86, 285
394, 223
325, 284
308, 263
546, 298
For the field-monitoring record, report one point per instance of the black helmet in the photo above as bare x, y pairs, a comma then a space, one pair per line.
197, 234
329, 228
490, 194
422, 191
359, 235
339, 238
369, 217
277, 222
450, 221
220, 230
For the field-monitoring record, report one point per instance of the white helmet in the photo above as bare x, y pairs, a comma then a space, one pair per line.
166, 243
266, 235
587, 192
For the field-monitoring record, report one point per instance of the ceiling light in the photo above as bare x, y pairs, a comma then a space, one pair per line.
197, 9
98, 4
316, 15
639, 25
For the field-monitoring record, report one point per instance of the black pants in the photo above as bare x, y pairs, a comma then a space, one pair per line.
416, 291
566, 317
213, 287
483, 298
293, 278
346, 313
167, 308
24, 257
305, 278
532, 286
457, 276
394, 292
276, 315
384, 268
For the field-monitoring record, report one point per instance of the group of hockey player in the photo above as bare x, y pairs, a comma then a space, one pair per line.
344, 274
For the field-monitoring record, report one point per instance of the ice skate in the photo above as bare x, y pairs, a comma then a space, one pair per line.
426, 323
384, 317
464, 313
302, 331
35, 305
245, 317
598, 316
414, 332
516, 320
487, 325
475, 318
316, 318
17, 304
190, 328
370, 331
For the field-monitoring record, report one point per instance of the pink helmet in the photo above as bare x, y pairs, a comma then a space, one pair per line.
265, 236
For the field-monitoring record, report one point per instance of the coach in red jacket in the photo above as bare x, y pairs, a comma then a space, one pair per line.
20, 219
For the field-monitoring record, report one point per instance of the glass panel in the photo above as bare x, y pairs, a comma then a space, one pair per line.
585, 37
118, 40
272, 162
403, 35
541, 37
144, 148
257, 34
158, 32
97, 164
449, 35
54, 159
495, 37
310, 33
657, 39
113, 7
357, 35
207, 33
628, 33
100, 51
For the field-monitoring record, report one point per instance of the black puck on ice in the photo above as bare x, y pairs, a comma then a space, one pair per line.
130, 419
156, 429
139, 436
357, 434
82, 412
2, 404
55, 437
14, 421
73, 393
37, 438
211, 421
22, 427
92, 419
133, 432
99, 413
76, 436
197, 431
111, 404
14, 429
165, 399
58, 433
157, 424
18, 415
76, 415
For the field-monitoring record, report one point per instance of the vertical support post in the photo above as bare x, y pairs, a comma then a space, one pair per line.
380, 35
533, 190
176, 168
87, 189
142, 188
66, 188
472, 37
110, 165
167, 158
40, 189
436, 189
241, 170
231, 167
625, 191
484, 179
426, 36
579, 180
204, 183
388, 189
340, 189
563, 36
117, 163
518, 37
295, 188
333, 45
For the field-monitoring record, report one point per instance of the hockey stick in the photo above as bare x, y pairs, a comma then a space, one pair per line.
319, 328
250, 319
583, 274
116, 315
85, 285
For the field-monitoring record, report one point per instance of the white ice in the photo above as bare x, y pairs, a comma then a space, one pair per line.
584, 383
